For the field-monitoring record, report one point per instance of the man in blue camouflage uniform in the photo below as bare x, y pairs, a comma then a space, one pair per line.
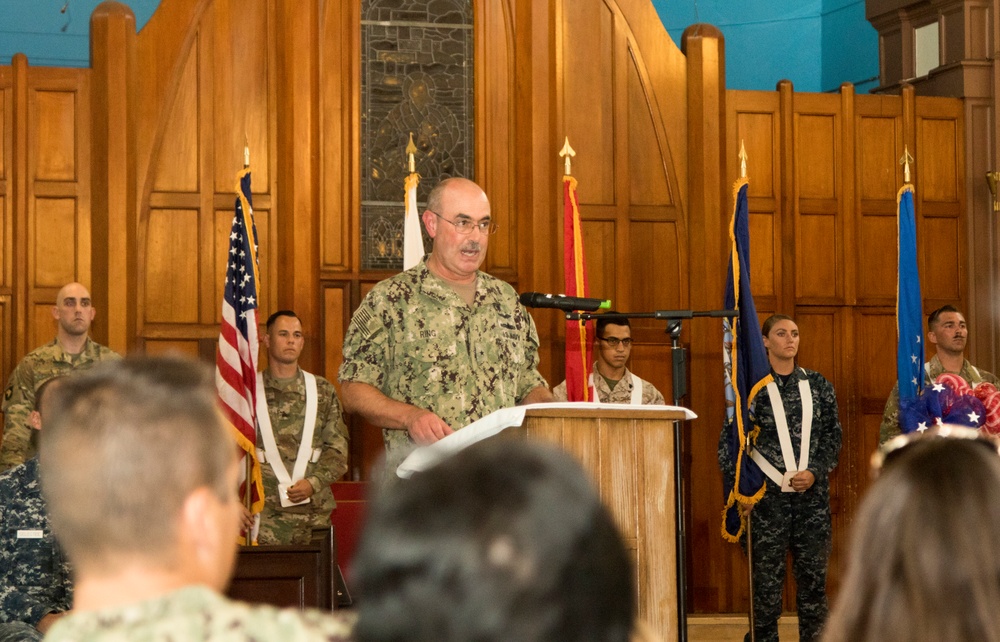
140, 477
442, 344
35, 584
72, 349
799, 518
285, 395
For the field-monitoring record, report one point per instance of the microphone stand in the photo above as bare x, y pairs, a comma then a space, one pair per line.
674, 319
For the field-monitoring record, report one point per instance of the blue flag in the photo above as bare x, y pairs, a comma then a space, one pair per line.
909, 311
747, 372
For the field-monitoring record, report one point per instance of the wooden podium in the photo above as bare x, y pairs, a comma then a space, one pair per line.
630, 455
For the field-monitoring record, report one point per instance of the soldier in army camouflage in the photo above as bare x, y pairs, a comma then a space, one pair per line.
442, 344
72, 349
948, 333
612, 381
35, 584
284, 393
798, 519
140, 477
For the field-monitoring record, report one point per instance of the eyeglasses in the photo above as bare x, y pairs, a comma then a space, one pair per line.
891, 450
466, 225
614, 341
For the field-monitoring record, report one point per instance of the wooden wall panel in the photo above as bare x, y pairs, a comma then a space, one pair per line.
602, 261
648, 183
588, 99
178, 162
55, 119
940, 277
55, 247
189, 348
172, 273
42, 327
656, 266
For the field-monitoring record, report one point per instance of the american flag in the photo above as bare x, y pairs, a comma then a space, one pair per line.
236, 359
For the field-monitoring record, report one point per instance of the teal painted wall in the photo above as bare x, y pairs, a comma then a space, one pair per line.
817, 44
55, 33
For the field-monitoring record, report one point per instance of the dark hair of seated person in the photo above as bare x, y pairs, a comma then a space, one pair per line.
507, 540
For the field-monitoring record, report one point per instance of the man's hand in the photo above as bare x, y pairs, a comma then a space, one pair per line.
300, 491
802, 481
48, 620
425, 427
246, 519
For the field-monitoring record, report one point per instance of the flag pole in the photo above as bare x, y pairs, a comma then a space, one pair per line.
247, 461
753, 619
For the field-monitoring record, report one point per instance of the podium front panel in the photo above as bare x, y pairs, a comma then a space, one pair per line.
630, 456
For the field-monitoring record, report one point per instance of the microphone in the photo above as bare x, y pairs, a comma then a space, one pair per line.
561, 302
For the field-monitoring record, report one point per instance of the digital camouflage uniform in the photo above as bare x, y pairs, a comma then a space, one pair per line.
414, 339
286, 405
34, 575
890, 417
37, 367
197, 613
799, 522
622, 392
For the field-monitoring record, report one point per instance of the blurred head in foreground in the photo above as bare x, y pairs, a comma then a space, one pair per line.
507, 540
924, 562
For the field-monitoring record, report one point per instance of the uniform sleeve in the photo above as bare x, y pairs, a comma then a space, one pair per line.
829, 437
559, 392
332, 462
18, 402
17, 605
651, 396
529, 378
367, 356
890, 417
727, 463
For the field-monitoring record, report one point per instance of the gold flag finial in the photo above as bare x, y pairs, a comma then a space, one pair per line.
905, 162
411, 149
567, 153
246, 151
743, 160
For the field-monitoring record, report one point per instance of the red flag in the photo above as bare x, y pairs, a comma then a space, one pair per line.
579, 336
236, 359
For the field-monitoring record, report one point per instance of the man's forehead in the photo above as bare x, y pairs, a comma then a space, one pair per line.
613, 329
287, 323
73, 291
950, 317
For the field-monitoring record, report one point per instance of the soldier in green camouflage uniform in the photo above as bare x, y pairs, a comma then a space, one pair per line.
797, 521
71, 350
612, 380
442, 344
141, 445
947, 331
286, 403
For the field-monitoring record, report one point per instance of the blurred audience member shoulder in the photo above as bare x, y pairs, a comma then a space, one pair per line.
140, 477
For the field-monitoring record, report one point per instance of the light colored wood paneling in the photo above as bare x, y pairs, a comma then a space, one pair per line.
55, 242
184, 348
55, 118
588, 97
335, 303
815, 155
599, 246
878, 257
647, 178
240, 91
879, 139
42, 327
177, 168
757, 131
816, 347
763, 275
656, 266
817, 268
172, 267
939, 275
939, 178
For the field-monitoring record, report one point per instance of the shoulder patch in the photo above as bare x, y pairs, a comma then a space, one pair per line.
364, 318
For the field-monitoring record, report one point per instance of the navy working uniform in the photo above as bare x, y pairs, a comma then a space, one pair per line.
34, 574
800, 522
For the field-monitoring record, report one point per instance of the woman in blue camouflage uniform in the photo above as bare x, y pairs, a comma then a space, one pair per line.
797, 446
